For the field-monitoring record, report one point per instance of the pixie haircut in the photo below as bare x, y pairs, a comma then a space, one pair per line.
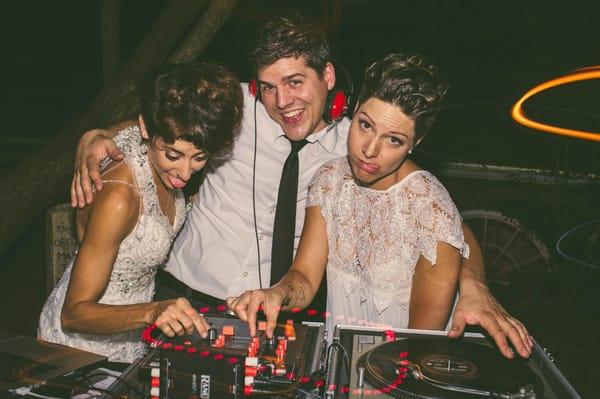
410, 83
200, 103
291, 35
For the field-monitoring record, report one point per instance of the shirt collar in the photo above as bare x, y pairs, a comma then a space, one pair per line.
327, 137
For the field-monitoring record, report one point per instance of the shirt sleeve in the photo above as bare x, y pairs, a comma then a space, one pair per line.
438, 220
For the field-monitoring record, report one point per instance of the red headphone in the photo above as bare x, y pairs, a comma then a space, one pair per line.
336, 104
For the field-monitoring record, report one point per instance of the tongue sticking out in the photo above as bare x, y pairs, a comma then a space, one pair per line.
176, 182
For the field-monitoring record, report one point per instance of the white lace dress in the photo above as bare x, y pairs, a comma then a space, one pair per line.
132, 278
375, 238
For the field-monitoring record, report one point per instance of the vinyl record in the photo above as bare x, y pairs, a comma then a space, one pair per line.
442, 368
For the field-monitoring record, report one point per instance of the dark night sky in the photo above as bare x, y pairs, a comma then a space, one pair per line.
492, 52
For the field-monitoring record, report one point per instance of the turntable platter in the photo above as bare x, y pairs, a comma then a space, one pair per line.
441, 368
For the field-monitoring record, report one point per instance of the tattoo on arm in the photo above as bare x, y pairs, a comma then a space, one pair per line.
296, 293
288, 297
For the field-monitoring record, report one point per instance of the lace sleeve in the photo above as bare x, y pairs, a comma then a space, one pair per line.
438, 220
320, 184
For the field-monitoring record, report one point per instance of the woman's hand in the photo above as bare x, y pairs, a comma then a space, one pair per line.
247, 305
178, 317
476, 306
93, 147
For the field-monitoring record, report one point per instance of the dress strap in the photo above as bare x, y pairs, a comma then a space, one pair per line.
136, 151
121, 182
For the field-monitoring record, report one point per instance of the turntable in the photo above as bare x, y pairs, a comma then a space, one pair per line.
375, 363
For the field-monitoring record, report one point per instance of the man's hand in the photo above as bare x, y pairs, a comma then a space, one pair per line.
93, 147
478, 307
246, 307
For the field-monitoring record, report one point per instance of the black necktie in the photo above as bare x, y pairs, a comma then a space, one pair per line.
284, 228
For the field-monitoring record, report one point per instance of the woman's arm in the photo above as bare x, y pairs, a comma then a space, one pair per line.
112, 217
433, 289
477, 306
300, 284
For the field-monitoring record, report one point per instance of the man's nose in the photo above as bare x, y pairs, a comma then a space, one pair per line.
284, 97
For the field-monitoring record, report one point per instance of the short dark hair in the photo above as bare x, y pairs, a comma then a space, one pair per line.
291, 35
410, 83
200, 103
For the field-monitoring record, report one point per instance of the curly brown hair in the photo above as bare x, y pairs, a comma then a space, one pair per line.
410, 83
200, 103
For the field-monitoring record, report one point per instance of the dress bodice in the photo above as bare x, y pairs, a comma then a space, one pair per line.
375, 238
140, 253
147, 246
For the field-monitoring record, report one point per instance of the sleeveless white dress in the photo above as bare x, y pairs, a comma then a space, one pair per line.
132, 277
375, 239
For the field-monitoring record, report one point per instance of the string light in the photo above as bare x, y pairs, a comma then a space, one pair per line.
587, 73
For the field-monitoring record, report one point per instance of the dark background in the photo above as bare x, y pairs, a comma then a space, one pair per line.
492, 52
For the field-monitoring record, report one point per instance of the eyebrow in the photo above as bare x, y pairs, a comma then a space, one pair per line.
169, 148
284, 79
372, 122
291, 77
200, 152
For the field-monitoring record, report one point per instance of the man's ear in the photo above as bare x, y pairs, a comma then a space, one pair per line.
143, 128
329, 75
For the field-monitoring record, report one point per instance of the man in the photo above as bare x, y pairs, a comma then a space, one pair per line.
225, 247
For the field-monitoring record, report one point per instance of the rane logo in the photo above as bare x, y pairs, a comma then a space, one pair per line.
205, 386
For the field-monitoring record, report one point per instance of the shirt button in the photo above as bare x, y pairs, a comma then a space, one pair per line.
245, 274
260, 237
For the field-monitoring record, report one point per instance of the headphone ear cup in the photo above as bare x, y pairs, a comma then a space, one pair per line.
335, 106
253, 88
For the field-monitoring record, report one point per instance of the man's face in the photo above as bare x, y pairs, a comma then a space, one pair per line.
294, 95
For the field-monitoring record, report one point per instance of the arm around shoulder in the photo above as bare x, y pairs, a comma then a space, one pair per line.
93, 147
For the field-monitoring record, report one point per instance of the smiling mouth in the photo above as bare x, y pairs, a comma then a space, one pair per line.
292, 116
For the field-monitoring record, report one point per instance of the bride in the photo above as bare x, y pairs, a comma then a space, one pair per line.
102, 302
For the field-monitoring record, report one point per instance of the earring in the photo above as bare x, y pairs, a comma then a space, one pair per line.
410, 151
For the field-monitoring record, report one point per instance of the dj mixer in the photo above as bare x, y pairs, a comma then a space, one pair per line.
229, 363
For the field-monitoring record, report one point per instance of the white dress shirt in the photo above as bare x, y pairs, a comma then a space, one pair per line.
216, 252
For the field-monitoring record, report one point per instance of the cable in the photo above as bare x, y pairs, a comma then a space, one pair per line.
307, 393
36, 395
129, 386
346, 358
254, 196
562, 237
